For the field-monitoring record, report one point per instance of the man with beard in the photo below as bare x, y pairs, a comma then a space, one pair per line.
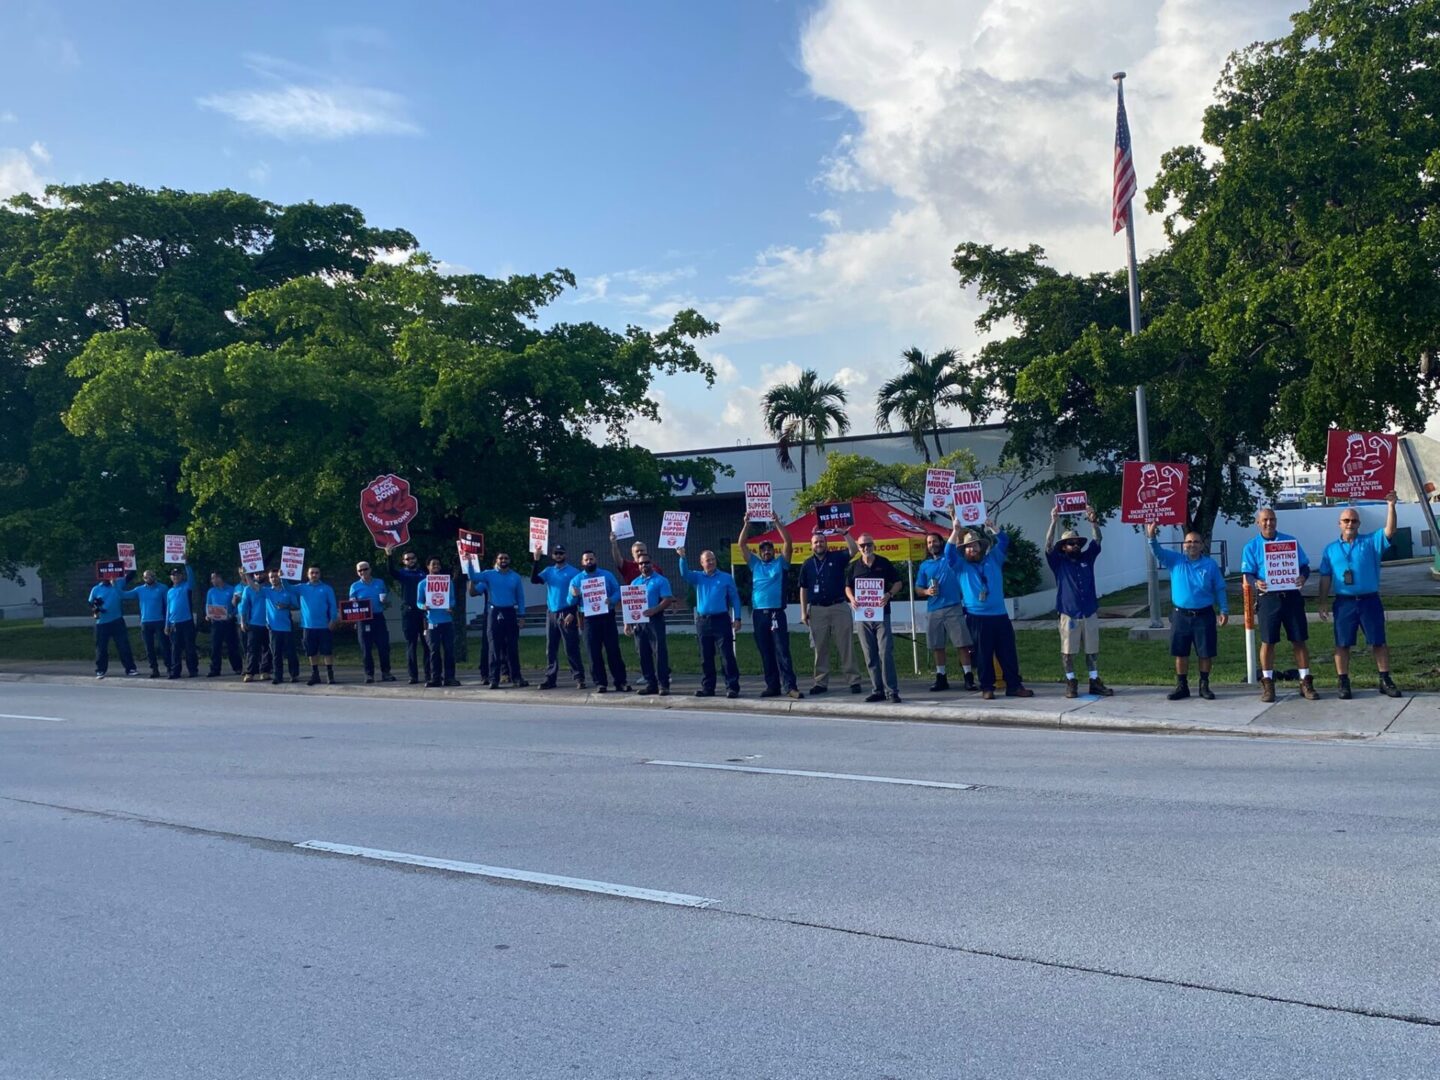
767, 608
318, 613
1278, 609
650, 637
180, 624
150, 595
562, 623
717, 621
280, 602
982, 584
440, 636
602, 639
824, 609
220, 614
250, 611
1073, 565
938, 582
877, 643
506, 591
1197, 591
1353, 564
106, 600
412, 616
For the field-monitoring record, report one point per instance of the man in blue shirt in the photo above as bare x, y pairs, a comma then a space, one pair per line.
150, 596
250, 613
412, 615
650, 640
562, 623
1353, 564
105, 605
220, 614
601, 636
824, 609
717, 621
280, 603
980, 566
767, 609
1076, 600
180, 624
944, 612
1197, 590
506, 591
1278, 608
440, 633
374, 632
318, 613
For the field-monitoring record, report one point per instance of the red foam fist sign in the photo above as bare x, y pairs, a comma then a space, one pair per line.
387, 508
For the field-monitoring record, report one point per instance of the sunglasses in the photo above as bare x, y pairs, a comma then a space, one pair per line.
865, 545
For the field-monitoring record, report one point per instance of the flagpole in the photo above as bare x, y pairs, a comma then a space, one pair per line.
1142, 413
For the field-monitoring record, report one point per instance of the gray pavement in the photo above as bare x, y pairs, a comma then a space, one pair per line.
1093, 905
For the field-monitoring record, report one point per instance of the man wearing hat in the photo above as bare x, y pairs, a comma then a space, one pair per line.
562, 622
180, 624
767, 609
1073, 564
981, 568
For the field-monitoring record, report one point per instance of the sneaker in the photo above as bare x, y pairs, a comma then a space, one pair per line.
895, 700
770, 691
732, 694
493, 685
816, 691
154, 673
248, 678
647, 690
664, 691
579, 684
623, 688
99, 674
1180, 693
873, 697
276, 682
132, 673
704, 693
414, 682
940, 683
1388, 688
1205, 692
210, 674
1021, 691
1099, 689
795, 693
433, 683
602, 688
522, 684
1072, 688
330, 678
1307, 688
1267, 689
1344, 693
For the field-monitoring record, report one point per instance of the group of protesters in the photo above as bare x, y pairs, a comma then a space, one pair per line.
252, 622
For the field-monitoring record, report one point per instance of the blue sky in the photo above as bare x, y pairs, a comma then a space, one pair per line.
799, 171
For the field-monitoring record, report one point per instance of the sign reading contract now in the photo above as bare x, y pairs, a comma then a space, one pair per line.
437, 591
970, 503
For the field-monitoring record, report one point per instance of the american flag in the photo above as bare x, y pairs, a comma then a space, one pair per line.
1124, 188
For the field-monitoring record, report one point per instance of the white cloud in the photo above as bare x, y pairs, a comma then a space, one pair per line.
19, 174
8, 117
259, 172
295, 111
38, 151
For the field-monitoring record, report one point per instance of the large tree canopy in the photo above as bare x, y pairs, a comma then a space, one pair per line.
217, 364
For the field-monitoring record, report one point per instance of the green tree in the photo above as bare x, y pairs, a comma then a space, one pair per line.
847, 476
917, 396
803, 412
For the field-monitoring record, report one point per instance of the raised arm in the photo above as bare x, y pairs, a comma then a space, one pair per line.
850, 543
784, 540
744, 535
1054, 524
1094, 520
1391, 522
615, 551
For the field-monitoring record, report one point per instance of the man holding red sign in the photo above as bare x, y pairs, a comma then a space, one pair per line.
1281, 606
602, 637
1353, 564
1076, 599
439, 601
105, 605
374, 632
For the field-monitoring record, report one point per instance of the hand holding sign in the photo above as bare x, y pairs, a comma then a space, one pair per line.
939, 488
673, 527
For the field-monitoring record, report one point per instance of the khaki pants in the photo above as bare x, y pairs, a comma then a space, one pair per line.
833, 625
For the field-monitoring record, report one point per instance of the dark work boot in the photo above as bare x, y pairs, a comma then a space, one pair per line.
941, 683
1181, 691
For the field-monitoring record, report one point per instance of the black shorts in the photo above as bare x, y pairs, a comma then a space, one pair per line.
1282, 609
1189, 627
1364, 613
319, 643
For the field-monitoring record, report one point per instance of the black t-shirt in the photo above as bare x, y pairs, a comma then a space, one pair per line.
882, 568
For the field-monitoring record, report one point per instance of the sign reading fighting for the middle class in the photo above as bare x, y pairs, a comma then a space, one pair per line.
1282, 565
938, 485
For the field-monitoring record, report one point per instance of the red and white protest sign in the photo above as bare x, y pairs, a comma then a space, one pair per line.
594, 596
174, 548
834, 517
217, 612
470, 546
939, 488
1072, 502
759, 501
437, 591
1282, 565
869, 595
126, 554
970, 503
673, 527
387, 508
252, 560
109, 570
1359, 464
354, 610
292, 563
539, 534
1154, 493
632, 603
621, 526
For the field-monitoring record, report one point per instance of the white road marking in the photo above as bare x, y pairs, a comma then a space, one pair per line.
19, 716
816, 775
632, 892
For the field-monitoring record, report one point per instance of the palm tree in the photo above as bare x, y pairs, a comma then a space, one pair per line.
805, 411
926, 386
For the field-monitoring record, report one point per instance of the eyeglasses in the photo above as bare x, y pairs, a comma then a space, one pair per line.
1349, 521
865, 545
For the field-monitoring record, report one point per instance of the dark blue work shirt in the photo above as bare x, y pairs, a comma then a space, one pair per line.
1075, 581
822, 578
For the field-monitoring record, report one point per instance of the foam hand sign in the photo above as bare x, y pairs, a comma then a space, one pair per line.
387, 508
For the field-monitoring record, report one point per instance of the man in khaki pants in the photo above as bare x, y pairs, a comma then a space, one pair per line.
825, 609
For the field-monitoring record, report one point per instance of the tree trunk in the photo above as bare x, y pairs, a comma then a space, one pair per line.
803, 482
939, 453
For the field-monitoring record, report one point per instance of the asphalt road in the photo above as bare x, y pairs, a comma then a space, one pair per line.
1091, 905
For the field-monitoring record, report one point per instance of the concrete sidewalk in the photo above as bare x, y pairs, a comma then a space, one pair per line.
1237, 710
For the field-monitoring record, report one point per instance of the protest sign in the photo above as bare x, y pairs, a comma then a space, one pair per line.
126, 554
354, 610
292, 563
252, 560
632, 603
387, 508
673, 527
834, 517
970, 503
594, 596
869, 592
470, 546
109, 570
1072, 502
1282, 565
939, 484
217, 613
620, 525
1359, 465
539, 534
437, 591
1154, 493
174, 549
759, 501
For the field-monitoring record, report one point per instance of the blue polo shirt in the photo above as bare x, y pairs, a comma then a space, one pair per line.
110, 598
612, 587
317, 605
556, 580
506, 588
177, 601
1362, 559
657, 588
1252, 558
251, 606
375, 592
768, 581
715, 594
940, 571
280, 600
1194, 583
1075, 581
151, 599
221, 596
987, 575
440, 616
